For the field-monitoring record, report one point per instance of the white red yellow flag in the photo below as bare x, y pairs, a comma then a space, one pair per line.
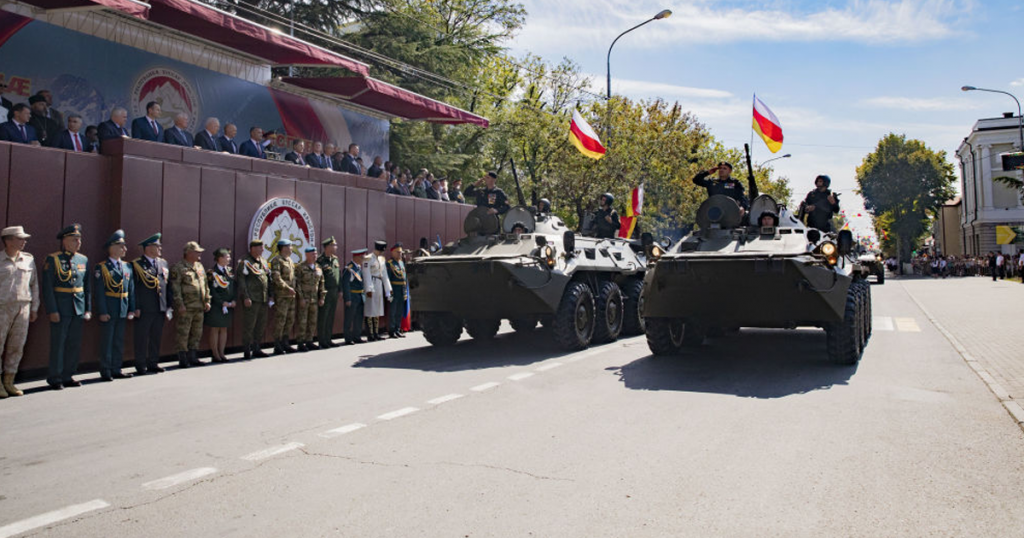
767, 126
636, 205
582, 135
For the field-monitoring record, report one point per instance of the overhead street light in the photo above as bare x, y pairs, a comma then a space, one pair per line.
663, 14
1020, 120
786, 156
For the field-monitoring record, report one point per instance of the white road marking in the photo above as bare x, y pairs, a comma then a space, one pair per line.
50, 518
882, 323
485, 386
400, 413
585, 354
348, 428
520, 376
272, 451
180, 478
443, 399
907, 325
547, 367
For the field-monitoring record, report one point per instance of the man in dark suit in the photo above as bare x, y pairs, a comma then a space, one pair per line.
47, 129
207, 138
329, 153
148, 127
92, 139
254, 146
348, 162
295, 155
317, 159
177, 135
226, 142
18, 130
114, 127
51, 112
71, 139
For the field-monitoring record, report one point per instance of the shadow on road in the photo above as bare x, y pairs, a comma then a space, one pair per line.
754, 363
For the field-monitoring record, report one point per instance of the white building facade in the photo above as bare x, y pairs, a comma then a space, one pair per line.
987, 203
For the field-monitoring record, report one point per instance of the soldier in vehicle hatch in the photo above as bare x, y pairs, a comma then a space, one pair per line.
605, 223
820, 205
724, 185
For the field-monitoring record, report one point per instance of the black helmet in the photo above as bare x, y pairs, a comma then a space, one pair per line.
772, 214
609, 197
544, 205
519, 224
826, 179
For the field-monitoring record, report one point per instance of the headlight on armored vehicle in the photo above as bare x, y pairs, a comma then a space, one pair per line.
548, 253
656, 252
829, 250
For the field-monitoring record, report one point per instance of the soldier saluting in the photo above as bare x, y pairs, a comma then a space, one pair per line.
253, 280
724, 185
491, 197
331, 268
115, 305
152, 302
68, 298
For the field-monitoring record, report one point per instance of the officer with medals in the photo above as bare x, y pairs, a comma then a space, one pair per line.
399, 291
115, 305
724, 185
67, 294
191, 301
282, 274
491, 196
331, 268
150, 274
253, 283
352, 294
378, 287
309, 285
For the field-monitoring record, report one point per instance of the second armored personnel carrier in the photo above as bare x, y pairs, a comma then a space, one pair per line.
529, 268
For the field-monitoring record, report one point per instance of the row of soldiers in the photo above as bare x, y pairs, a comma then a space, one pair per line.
151, 292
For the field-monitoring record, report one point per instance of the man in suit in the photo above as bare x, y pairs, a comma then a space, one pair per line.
92, 139
47, 129
226, 142
317, 159
376, 168
329, 151
348, 162
114, 127
295, 155
17, 129
177, 135
150, 274
207, 138
254, 146
148, 127
51, 112
71, 139
337, 159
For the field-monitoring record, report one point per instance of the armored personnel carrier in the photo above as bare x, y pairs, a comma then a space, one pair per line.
529, 268
775, 272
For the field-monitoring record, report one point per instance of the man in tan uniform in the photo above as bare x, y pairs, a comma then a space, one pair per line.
311, 295
19, 303
282, 274
191, 301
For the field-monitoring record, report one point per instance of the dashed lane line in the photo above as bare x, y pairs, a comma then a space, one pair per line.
442, 399
180, 478
585, 354
520, 376
337, 432
272, 451
907, 325
550, 366
50, 518
485, 386
399, 413
882, 323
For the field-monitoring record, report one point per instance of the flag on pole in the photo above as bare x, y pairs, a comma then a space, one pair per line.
767, 126
636, 205
582, 135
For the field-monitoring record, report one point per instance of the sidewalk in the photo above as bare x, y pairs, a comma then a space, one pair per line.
985, 322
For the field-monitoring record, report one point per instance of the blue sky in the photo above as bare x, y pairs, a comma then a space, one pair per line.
838, 74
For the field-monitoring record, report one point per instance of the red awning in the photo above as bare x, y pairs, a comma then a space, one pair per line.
131, 7
234, 32
387, 98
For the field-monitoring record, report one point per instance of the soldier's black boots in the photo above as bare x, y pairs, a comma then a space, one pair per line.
288, 348
247, 355
278, 348
302, 347
193, 358
312, 346
258, 353
155, 368
183, 360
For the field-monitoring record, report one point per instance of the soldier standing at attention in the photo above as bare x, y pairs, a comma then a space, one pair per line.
331, 268
253, 288
19, 303
221, 282
282, 273
115, 304
311, 294
152, 302
191, 301
377, 287
67, 292
396, 275
352, 293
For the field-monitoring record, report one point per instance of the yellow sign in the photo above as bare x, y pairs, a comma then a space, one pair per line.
1005, 235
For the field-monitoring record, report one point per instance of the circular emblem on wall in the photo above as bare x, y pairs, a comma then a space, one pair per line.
282, 218
171, 90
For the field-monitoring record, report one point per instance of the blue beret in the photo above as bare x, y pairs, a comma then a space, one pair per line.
310, 249
284, 243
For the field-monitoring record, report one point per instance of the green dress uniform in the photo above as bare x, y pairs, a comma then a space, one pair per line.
253, 282
399, 294
352, 294
115, 297
188, 280
221, 283
311, 292
282, 274
67, 292
331, 267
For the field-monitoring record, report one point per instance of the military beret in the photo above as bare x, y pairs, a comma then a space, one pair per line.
256, 243
36, 99
380, 245
329, 241
397, 245
193, 247
116, 239
74, 230
284, 243
359, 251
723, 163
152, 240
309, 249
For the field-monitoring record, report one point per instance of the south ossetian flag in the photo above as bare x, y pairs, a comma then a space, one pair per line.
582, 135
636, 206
767, 126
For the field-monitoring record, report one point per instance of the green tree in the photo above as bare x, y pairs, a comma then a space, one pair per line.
905, 181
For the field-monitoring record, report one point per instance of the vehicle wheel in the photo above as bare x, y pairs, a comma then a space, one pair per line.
693, 334
608, 314
482, 329
869, 316
574, 321
441, 328
862, 301
524, 324
664, 335
633, 320
842, 338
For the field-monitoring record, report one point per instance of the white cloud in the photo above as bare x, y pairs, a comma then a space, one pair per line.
919, 104
1018, 82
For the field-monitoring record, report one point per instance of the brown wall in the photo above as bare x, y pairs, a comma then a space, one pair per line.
189, 194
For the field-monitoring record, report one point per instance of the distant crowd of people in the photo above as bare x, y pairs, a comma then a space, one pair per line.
994, 264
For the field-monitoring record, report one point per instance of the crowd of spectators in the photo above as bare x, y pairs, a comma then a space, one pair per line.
994, 264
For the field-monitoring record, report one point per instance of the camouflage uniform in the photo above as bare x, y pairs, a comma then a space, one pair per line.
188, 280
19, 298
282, 274
311, 292
253, 281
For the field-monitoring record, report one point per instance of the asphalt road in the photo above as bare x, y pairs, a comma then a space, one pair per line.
751, 435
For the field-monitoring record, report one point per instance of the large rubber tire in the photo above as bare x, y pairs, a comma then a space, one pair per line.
482, 329
609, 313
441, 328
693, 334
664, 335
869, 315
633, 320
574, 321
843, 338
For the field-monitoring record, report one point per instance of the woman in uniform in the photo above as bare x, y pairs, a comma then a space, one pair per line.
222, 302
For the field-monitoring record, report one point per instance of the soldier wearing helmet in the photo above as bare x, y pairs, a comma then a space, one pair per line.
820, 205
605, 223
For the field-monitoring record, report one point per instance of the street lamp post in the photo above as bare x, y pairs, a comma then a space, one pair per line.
1020, 120
786, 156
663, 14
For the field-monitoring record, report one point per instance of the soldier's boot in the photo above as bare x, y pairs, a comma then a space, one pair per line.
310, 345
9, 387
247, 354
257, 351
302, 347
183, 360
288, 347
278, 349
193, 358
3, 393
